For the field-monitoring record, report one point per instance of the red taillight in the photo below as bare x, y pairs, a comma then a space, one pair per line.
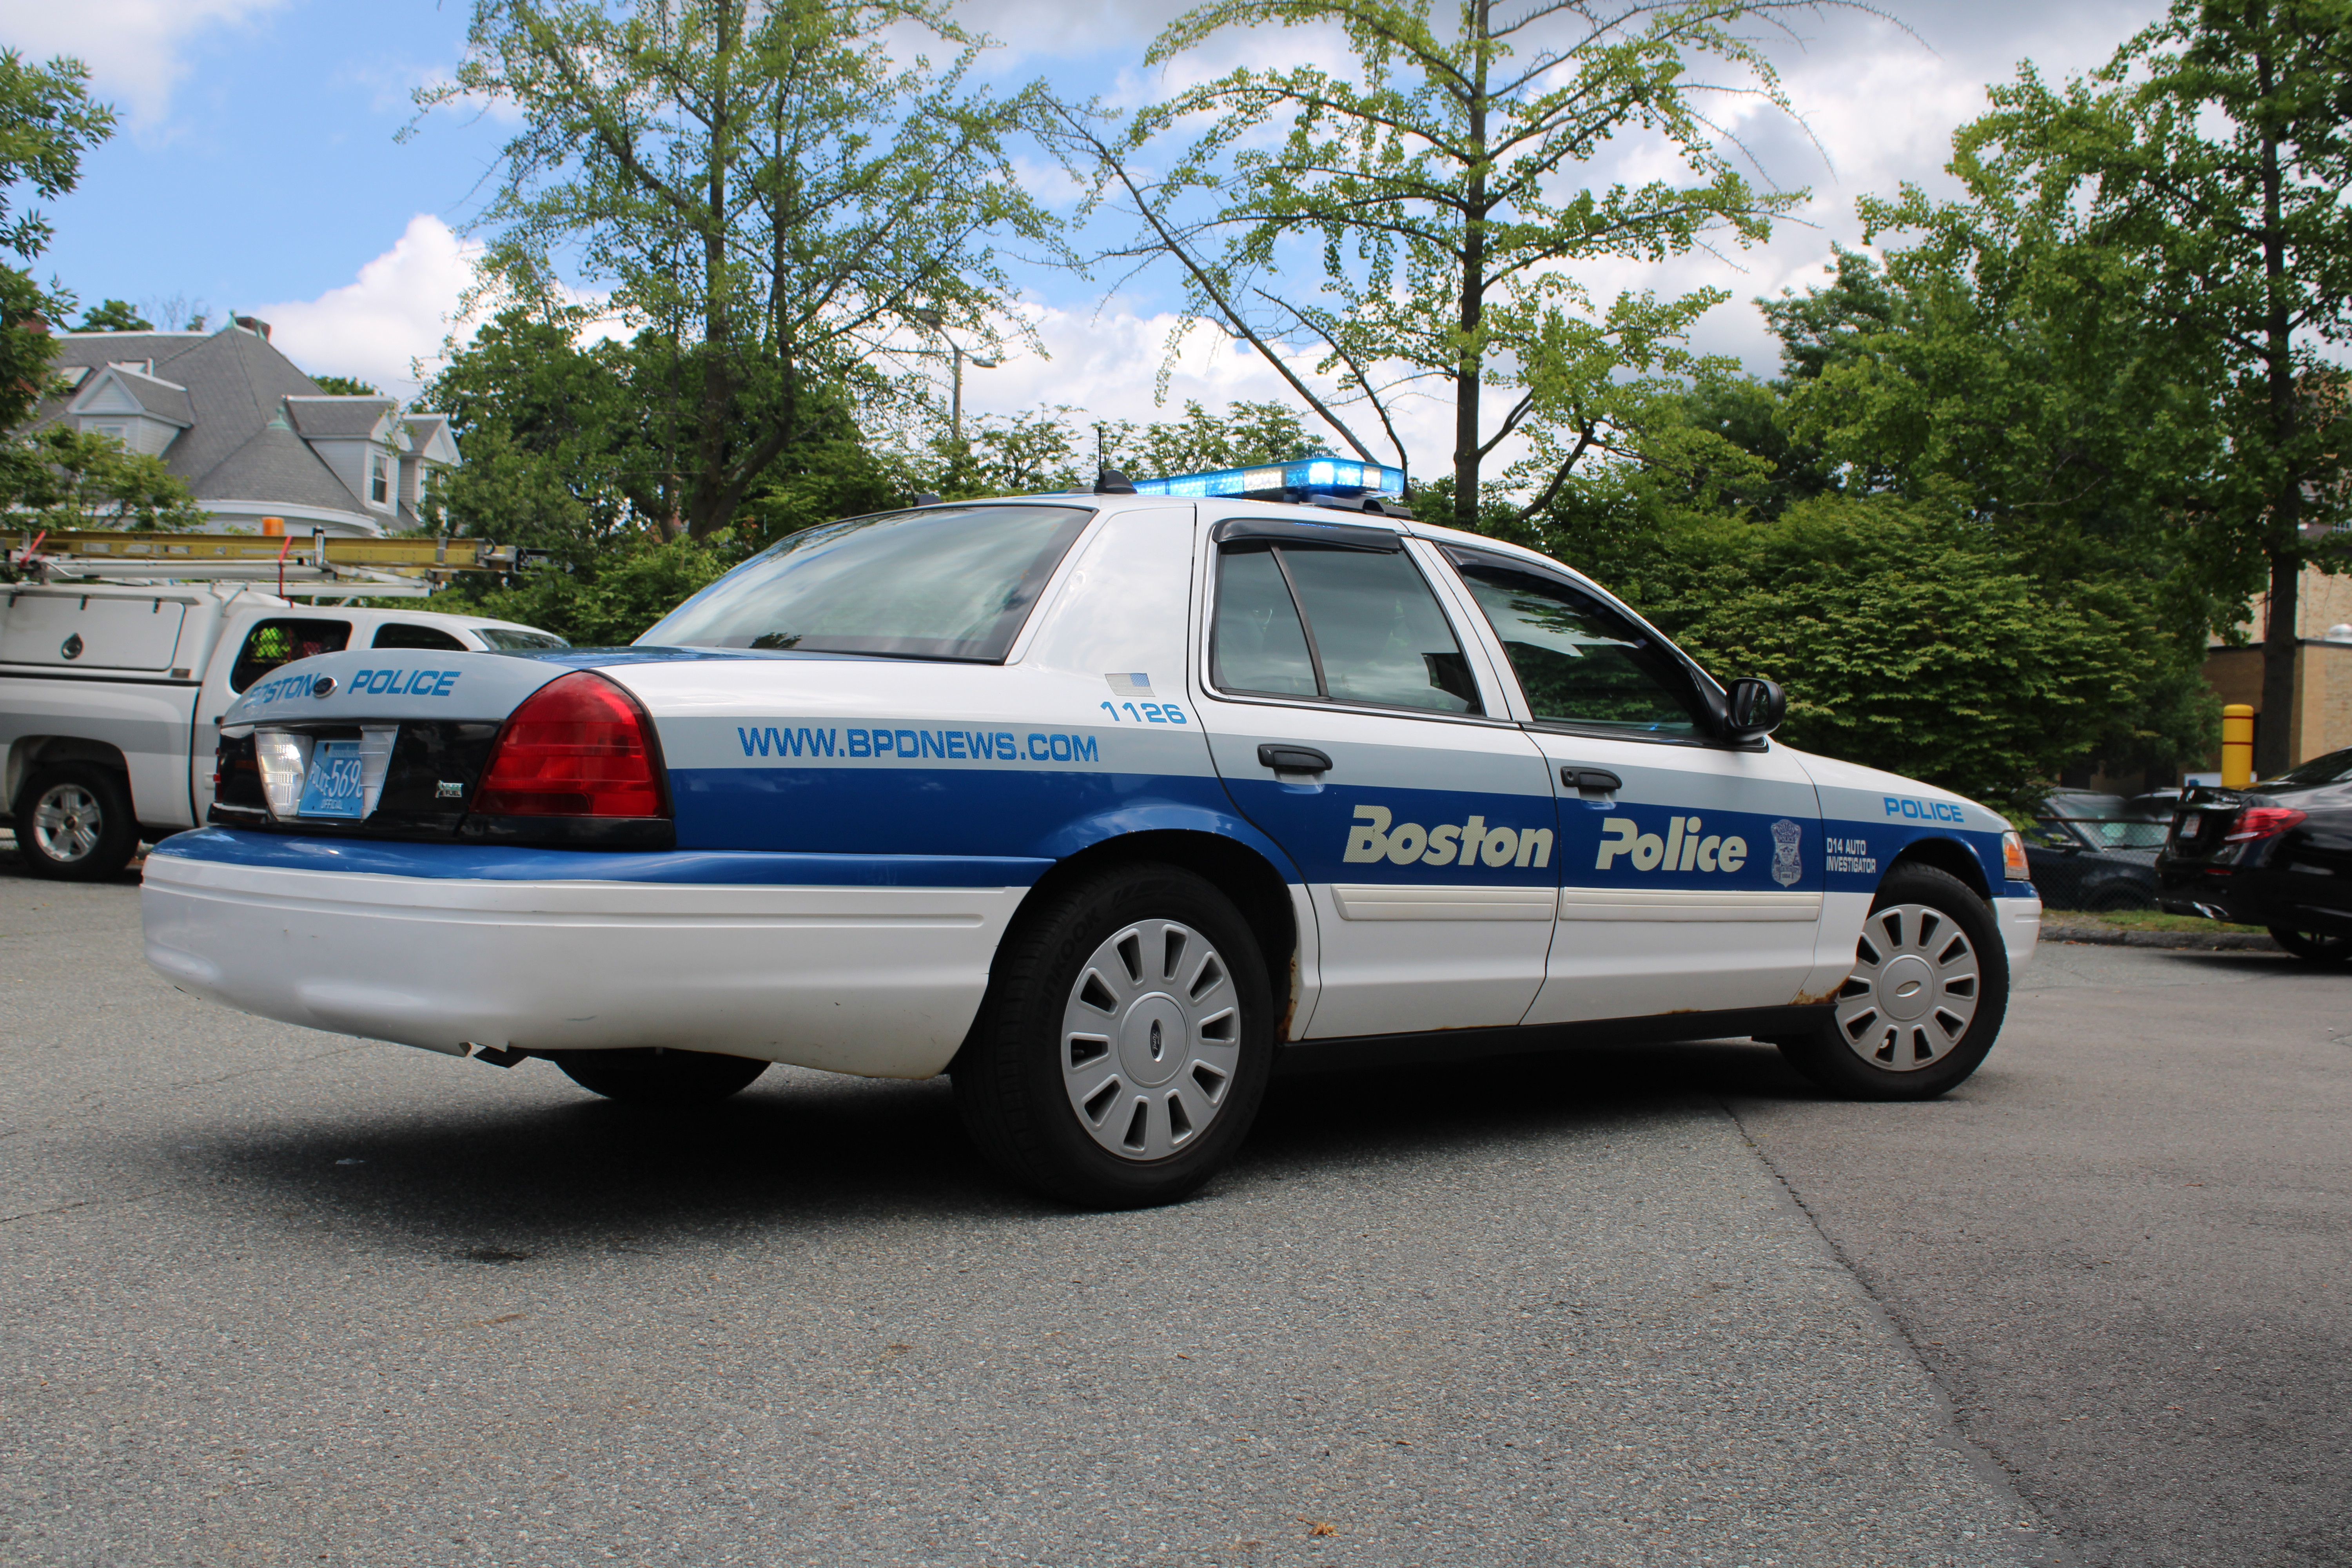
579, 746
2261, 822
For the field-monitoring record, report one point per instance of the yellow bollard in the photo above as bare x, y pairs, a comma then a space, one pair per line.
2237, 746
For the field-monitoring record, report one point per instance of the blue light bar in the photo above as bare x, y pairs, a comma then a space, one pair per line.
1313, 476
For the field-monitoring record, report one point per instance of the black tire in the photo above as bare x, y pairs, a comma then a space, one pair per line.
1854, 1068
1012, 1092
655, 1075
2313, 947
74, 823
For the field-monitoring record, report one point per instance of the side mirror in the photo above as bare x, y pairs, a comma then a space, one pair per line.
1753, 708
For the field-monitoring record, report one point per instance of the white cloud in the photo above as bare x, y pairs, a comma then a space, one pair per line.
137, 50
398, 310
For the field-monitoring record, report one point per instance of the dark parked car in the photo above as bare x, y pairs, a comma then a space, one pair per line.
2276, 854
2094, 851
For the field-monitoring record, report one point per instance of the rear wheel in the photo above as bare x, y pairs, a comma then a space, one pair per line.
655, 1076
2312, 947
1125, 1042
73, 824
1924, 1002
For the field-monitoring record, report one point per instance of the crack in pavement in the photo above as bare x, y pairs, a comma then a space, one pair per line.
1996, 1472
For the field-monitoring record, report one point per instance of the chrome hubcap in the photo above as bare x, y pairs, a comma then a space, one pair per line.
1150, 1039
1916, 984
66, 821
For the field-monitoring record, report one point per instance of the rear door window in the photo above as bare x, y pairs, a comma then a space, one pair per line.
1339, 624
281, 641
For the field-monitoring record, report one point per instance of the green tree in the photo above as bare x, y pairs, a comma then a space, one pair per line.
61, 478
47, 120
2190, 194
570, 445
637, 582
2036, 443
114, 316
766, 188
1437, 180
1245, 434
559, 455
1909, 641
341, 385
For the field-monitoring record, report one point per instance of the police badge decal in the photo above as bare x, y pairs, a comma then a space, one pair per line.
1787, 869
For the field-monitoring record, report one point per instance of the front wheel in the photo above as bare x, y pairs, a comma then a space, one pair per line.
1925, 1001
653, 1076
1125, 1042
73, 824
2313, 947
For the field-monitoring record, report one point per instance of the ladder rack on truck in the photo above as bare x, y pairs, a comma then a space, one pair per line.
323, 566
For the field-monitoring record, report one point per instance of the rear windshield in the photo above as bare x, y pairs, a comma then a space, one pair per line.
951, 583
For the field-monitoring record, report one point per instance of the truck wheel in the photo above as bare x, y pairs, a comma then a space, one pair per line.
1125, 1042
653, 1076
1929, 988
74, 823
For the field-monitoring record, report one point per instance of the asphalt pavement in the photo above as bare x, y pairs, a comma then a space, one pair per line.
272, 1295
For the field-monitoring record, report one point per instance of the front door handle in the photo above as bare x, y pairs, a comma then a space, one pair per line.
1590, 782
1292, 760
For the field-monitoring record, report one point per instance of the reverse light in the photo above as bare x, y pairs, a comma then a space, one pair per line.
2014, 863
2261, 822
579, 746
284, 756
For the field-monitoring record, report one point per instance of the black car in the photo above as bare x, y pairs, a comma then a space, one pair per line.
2093, 852
2275, 854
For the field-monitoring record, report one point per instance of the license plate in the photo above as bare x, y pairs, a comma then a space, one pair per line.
333, 788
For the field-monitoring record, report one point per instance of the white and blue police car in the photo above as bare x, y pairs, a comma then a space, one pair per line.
1109, 805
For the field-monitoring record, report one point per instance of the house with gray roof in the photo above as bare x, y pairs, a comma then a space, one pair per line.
253, 437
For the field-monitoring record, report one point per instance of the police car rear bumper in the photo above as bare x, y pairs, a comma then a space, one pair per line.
2021, 927
880, 981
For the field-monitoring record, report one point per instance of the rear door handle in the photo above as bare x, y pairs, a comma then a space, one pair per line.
1590, 781
1292, 760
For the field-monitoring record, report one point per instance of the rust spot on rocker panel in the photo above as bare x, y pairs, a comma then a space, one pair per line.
1821, 998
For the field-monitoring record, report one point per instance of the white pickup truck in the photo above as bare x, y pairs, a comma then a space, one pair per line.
109, 695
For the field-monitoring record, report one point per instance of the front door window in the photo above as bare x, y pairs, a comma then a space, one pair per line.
1580, 662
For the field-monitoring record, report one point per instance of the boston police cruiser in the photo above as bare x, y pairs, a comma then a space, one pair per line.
1109, 805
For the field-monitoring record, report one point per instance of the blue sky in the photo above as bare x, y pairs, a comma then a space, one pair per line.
257, 169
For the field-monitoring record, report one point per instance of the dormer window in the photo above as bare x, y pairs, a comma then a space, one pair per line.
380, 480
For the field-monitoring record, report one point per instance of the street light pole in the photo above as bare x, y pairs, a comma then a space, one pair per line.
955, 398
937, 321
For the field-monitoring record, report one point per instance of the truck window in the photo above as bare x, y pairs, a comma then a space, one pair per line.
400, 633
275, 641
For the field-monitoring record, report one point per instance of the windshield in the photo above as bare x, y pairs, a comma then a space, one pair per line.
942, 583
2332, 768
512, 639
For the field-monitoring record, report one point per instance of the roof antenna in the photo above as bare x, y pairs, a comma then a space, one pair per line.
924, 498
1113, 482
